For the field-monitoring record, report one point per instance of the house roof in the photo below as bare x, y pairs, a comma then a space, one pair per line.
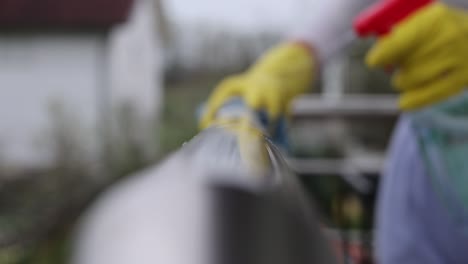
63, 14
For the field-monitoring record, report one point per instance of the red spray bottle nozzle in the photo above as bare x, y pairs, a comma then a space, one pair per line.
380, 18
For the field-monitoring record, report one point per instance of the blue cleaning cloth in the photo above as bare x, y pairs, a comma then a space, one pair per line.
278, 134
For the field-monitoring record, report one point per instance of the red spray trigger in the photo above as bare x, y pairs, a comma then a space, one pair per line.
379, 19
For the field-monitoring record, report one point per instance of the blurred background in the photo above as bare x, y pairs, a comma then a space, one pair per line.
93, 90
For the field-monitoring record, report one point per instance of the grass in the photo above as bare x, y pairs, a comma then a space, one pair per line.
179, 121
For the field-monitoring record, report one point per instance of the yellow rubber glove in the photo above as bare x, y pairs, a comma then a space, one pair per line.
430, 50
270, 84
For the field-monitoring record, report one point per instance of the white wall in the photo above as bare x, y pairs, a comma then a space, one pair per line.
91, 76
36, 70
136, 62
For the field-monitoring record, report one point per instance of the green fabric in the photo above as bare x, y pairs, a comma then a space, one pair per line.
443, 136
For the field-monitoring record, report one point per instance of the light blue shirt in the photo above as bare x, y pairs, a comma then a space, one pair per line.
413, 225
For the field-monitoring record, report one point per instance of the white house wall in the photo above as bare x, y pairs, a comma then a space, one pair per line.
37, 70
136, 70
87, 76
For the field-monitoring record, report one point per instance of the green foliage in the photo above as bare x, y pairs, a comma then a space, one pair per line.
341, 206
182, 99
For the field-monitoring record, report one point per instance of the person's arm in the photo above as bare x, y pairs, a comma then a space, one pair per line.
330, 26
289, 68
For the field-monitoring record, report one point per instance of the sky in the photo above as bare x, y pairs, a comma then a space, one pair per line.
247, 15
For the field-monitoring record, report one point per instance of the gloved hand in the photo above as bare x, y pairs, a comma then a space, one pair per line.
430, 51
277, 77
